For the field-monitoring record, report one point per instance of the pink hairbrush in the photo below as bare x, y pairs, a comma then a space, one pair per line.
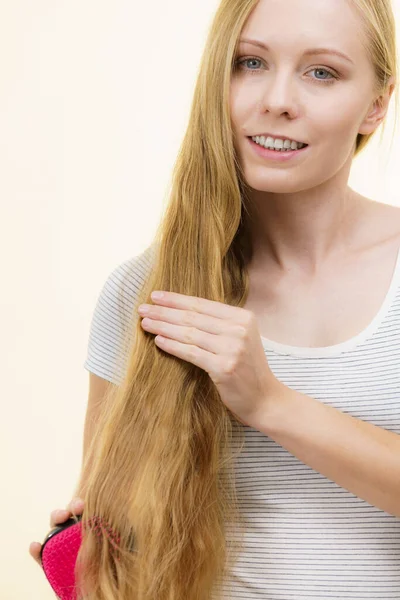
59, 553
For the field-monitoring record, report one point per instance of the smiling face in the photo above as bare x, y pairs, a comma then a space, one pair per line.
321, 99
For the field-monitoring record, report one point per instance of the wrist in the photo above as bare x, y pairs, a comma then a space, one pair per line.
273, 409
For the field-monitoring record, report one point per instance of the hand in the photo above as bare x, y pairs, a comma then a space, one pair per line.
57, 517
224, 341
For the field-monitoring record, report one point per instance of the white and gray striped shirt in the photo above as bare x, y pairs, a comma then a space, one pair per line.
306, 537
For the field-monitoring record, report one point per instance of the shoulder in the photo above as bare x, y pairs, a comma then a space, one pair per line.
392, 221
111, 330
126, 280
119, 294
382, 224
132, 272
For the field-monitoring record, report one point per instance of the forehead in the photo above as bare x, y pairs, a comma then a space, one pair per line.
292, 26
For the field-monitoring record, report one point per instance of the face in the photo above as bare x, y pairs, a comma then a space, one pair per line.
321, 99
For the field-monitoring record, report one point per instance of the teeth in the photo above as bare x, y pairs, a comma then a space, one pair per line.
277, 144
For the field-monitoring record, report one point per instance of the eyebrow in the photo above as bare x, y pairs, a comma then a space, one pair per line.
310, 51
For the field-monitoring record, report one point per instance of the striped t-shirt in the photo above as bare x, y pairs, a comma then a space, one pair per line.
306, 537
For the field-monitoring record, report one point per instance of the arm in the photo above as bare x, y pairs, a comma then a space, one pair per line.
98, 388
358, 456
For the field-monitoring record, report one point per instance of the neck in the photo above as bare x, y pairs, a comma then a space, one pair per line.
303, 230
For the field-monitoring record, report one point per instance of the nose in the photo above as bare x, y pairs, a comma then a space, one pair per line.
278, 94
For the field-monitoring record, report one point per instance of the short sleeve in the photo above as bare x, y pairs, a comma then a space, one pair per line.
111, 327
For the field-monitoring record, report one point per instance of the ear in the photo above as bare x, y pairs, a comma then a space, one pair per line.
378, 110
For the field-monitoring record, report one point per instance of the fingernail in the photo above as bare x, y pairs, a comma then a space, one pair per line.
157, 295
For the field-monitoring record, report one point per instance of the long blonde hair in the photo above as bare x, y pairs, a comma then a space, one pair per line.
160, 468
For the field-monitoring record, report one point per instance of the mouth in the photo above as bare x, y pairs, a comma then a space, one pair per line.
279, 155
300, 146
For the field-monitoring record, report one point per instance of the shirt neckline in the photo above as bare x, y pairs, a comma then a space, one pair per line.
336, 349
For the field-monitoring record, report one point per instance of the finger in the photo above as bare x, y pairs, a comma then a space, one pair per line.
76, 505
76, 501
189, 335
200, 305
162, 315
191, 353
59, 516
34, 551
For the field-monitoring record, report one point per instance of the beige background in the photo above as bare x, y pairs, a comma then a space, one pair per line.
93, 104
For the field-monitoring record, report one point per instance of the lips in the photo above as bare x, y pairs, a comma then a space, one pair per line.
276, 136
250, 137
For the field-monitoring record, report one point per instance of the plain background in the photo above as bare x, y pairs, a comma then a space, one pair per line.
94, 102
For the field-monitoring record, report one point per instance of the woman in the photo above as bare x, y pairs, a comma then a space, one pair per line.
255, 452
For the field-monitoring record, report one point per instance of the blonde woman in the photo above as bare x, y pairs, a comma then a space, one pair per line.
247, 442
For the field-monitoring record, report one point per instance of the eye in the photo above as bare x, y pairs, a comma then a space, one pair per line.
243, 61
326, 71
240, 63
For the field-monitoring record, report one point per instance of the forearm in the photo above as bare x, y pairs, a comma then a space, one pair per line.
358, 456
87, 459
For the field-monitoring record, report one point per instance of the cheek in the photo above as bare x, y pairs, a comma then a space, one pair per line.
234, 104
339, 117
243, 104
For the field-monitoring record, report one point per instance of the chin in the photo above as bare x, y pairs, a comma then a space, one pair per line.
284, 183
